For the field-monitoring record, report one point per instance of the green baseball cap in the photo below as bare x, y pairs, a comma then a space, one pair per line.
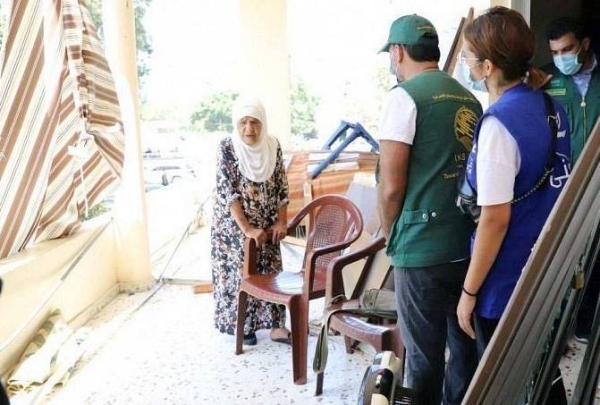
411, 30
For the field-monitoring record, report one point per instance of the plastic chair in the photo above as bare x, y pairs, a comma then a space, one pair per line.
334, 222
379, 333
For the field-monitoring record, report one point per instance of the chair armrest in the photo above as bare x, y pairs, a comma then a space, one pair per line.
312, 257
250, 258
295, 221
323, 250
335, 284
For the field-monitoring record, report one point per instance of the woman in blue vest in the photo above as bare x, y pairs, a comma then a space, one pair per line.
510, 152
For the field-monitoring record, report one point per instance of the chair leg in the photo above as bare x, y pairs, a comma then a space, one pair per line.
396, 344
319, 388
379, 345
299, 321
241, 318
348, 344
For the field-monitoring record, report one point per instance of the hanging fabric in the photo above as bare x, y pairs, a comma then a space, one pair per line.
61, 136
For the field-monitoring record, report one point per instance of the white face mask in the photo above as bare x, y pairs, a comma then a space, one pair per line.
568, 63
394, 67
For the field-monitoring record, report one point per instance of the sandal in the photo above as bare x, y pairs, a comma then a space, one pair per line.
286, 340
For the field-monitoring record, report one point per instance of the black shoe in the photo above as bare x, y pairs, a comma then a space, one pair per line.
250, 339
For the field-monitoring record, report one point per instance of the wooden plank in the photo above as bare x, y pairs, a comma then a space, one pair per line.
302, 189
293, 240
204, 286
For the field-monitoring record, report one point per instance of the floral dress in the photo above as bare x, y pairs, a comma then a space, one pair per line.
260, 203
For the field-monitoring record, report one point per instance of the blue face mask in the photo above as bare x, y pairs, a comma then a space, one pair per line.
568, 63
478, 85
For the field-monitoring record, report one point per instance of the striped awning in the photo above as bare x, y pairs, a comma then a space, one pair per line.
61, 136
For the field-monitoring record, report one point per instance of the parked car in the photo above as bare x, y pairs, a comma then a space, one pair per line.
167, 173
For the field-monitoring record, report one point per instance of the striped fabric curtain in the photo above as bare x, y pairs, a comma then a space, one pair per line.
61, 136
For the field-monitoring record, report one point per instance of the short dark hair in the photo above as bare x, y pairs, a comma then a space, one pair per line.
562, 26
423, 53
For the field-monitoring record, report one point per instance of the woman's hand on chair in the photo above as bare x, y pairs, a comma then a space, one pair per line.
259, 236
279, 230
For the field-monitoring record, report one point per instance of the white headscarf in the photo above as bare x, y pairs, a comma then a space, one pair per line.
256, 162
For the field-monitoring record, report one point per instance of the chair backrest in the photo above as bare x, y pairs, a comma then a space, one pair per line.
332, 220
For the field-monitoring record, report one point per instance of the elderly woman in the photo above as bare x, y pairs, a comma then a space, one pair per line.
251, 198
507, 167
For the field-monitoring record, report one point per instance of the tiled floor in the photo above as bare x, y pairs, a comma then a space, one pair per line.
168, 352
159, 347
570, 365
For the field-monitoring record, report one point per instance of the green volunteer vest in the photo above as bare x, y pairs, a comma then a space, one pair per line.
583, 112
430, 229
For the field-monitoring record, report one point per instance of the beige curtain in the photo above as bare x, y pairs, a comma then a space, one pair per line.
61, 137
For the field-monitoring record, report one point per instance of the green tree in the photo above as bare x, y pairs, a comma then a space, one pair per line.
304, 105
214, 112
142, 38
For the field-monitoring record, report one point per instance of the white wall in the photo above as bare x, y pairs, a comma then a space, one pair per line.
30, 276
263, 65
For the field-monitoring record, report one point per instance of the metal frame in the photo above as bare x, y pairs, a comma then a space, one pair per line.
341, 132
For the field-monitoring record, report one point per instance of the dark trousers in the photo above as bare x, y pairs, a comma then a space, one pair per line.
427, 298
484, 330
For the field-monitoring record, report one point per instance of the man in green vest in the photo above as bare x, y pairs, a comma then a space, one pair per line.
425, 137
575, 83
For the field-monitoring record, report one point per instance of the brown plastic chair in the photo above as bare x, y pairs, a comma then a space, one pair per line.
334, 222
382, 334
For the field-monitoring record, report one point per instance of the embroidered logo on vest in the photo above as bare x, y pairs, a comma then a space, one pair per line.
557, 92
464, 124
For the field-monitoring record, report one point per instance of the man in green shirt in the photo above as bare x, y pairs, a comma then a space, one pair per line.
425, 137
575, 83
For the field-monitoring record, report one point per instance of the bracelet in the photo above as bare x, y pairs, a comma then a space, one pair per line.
468, 293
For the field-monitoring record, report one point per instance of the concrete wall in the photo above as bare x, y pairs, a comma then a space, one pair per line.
30, 276
263, 63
